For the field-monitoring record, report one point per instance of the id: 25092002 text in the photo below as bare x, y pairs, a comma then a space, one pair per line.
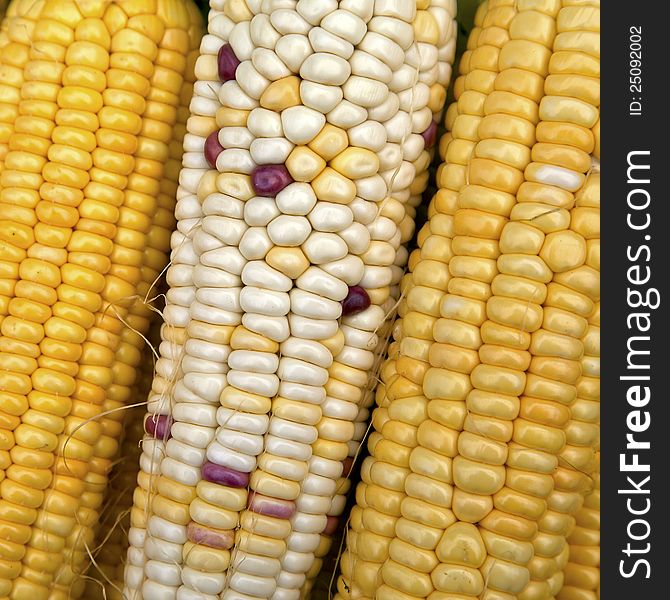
635, 70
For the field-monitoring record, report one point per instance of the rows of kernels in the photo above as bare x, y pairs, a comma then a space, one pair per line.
244, 101
96, 84
396, 423
404, 155
521, 288
46, 375
69, 48
582, 573
112, 542
112, 539
11, 78
17, 29
432, 77
173, 483
169, 191
142, 206
234, 436
361, 426
292, 387
503, 499
571, 250
15, 34
577, 459
540, 387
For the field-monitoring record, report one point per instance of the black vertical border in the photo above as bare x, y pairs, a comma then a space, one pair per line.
621, 134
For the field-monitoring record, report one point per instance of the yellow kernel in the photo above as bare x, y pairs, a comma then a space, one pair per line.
281, 94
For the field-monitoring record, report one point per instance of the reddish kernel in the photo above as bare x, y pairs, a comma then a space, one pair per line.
269, 180
213, 148
213, 538
430, 135
357, 300
227, 62
224, 476
158, 426
270, 507
331, 526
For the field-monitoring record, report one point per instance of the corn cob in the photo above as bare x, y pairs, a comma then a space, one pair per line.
577, 460
66, 187
199, 124
246, 233
15, 36
158, 136
154, 260
582, 573
107, 572
571, 80
469, 429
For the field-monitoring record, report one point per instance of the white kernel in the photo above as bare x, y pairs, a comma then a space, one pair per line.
289, 230
320, 97
308, 350
229, 458
301, 124
269, 65
293, 49
270, 151
258, 273
322, 67
308, 304
349, 269
274, 328
315, 10
324, 247
263, 123
346, 115
325, 42
287, 21
244, 443
265, 302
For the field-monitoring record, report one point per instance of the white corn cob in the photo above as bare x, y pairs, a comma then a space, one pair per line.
241, 356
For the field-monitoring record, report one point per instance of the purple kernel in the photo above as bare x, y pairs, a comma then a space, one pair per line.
213, 148
347, 465
224, 476
270, 507
331, 525
269, 180
213, 538
430, 135
227, 62
357, 300
158, 426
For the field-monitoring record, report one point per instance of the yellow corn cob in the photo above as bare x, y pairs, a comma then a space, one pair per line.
159, 131
582, 573
190, 536
573, 254
474, 412
66, 188
107, 572
16, 33
15, 36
